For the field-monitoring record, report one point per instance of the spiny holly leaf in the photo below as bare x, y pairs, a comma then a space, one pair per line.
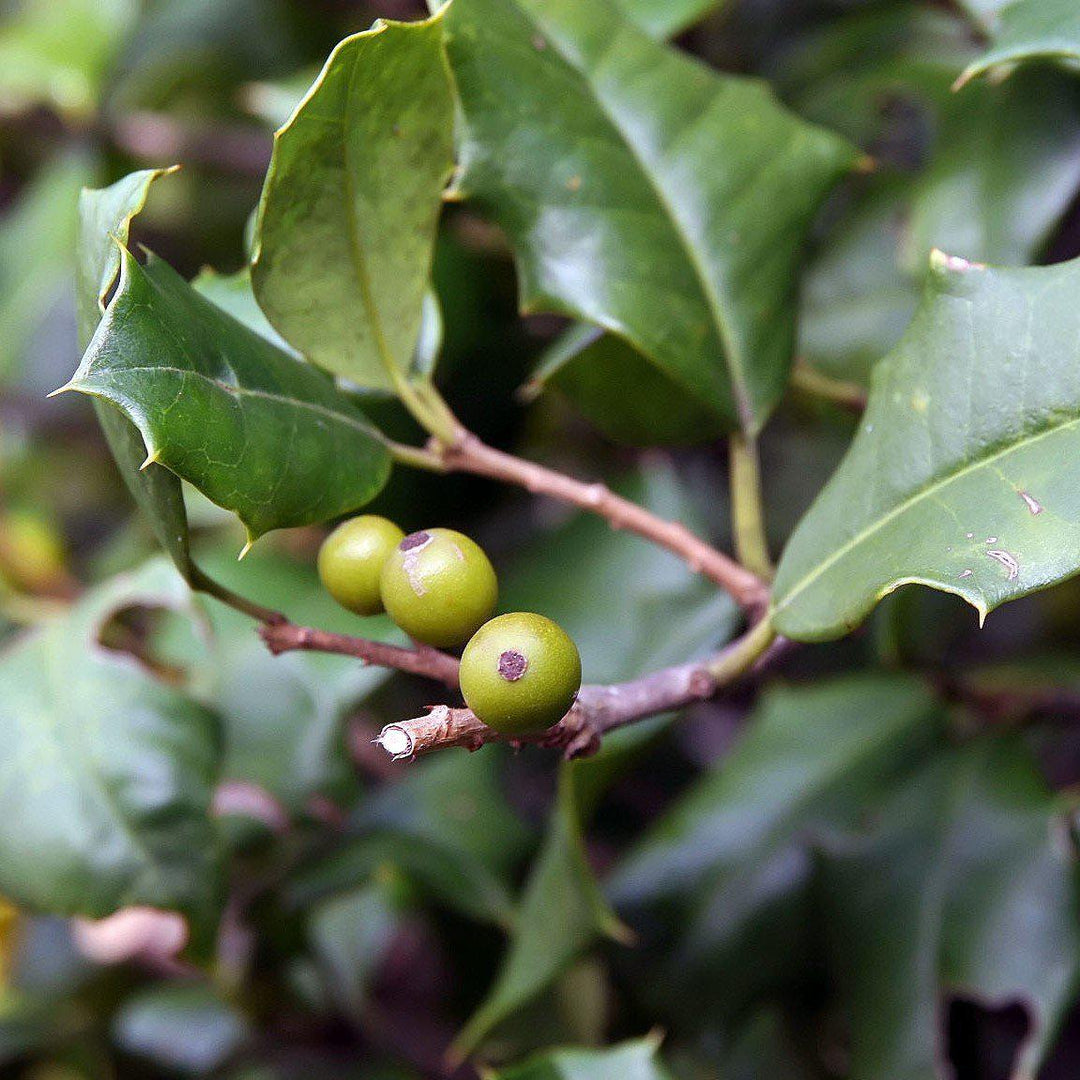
107, 774
257, 431
628, 1061
1032, 30
351, 203
562, 913
105, 217
1000, 165
967, 887
955, 479
630, 178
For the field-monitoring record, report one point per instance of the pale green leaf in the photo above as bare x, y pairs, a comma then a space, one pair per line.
107, 774
628, 1061
955, 478
1028, 30
665, 18
58, 52
351, 203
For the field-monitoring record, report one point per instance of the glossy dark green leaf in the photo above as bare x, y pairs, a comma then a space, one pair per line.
105, 216
562, 914
446, 826
986, 174
967, 887
351, 204
628, 178
1032, 30
628, 1061
254, 429
730, 866
955, 478
649, 409
107, 773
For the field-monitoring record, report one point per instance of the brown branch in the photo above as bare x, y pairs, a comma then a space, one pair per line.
469, 454
281, 637
597, 711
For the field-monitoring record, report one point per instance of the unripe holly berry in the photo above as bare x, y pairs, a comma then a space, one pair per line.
351, 560
439, 586
520, 673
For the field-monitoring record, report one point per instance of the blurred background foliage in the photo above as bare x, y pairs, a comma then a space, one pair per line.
866, 872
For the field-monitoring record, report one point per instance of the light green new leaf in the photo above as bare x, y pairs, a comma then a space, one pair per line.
628, 1061
958, 478
107, 774
665, 18
233, 293
351, 203
562, 913
36, 234
965, 888
1032, 30
630, 178
58, 52
255, 430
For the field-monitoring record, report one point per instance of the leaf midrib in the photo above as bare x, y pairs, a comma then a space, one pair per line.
240, 391
740, 391
912, 501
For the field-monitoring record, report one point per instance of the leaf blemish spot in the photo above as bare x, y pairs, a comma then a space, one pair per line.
991, 539
1006, 560
966, 573
1031, 503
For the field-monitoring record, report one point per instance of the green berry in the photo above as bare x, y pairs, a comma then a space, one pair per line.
351, 561
520, 673
439, 587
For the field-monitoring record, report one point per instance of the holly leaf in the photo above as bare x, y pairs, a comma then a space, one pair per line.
629, 179
1031, 30
254, 429
562, 913
627, 1061
986, 174
954, 479
233, 294
447, 827
729, 869
967, 888
351, 203
105, 217
107, 774
583, 363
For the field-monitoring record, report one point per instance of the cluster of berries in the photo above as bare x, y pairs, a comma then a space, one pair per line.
520, 672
